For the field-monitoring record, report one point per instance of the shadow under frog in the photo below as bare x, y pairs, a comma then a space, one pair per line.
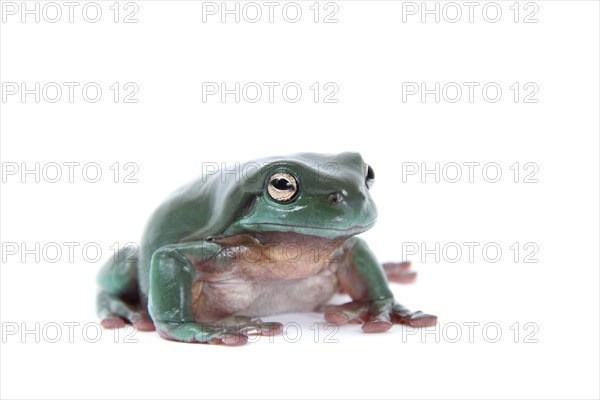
278, 236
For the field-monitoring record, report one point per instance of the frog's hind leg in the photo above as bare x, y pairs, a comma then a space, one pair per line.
118, 302
116, 313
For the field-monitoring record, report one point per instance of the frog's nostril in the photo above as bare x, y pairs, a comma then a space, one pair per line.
334, 199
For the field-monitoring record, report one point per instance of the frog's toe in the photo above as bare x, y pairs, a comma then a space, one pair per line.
379, 317
353, 312
113, 322
259, 328
417, 319
272, 329
336, 317
230, 339
376, 326
144, 325
399, 272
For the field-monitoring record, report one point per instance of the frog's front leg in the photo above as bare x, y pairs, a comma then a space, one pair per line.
362, 277
172, 275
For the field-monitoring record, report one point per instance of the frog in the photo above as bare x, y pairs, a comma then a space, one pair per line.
270, 236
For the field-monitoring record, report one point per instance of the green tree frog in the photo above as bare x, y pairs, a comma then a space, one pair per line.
276, 235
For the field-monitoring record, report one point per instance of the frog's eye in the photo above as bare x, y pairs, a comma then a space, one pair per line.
282, 187
369, 176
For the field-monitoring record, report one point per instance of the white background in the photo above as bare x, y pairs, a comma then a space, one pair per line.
369, 53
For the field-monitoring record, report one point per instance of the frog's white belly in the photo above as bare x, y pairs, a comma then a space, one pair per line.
255, 299
259, 278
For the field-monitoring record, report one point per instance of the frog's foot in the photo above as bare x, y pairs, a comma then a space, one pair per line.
377, 316
116, 313
231, 332
399, 272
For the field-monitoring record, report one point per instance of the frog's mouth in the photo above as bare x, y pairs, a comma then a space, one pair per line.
311, 230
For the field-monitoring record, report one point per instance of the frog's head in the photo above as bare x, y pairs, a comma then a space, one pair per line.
309, 194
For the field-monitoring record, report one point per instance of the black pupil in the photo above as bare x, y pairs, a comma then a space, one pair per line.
370, 173
281, 184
